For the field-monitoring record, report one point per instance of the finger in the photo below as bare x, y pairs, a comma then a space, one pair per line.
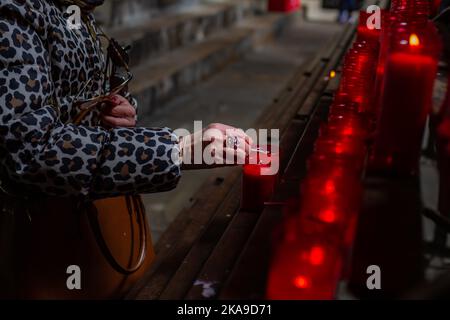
241, 144
118, 99
239, 133
120, 111
224, 128
213, 135
232, 156
118, 122
246, 147
226, 131
113, 122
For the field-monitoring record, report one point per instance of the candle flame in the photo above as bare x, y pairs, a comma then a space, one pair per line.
333, 74
414, 40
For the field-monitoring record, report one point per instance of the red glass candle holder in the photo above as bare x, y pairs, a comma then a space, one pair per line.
359, 76
259, 180
363, 31
283, 5
348, 150
393, 24
339, 107
334, 146
344, 124
322, 162
305, 269
339, 216
330, 200
411, 68
399, 4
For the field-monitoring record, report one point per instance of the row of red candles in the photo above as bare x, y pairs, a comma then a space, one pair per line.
399, 65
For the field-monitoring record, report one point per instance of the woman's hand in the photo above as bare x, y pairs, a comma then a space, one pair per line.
217, 145
118, 112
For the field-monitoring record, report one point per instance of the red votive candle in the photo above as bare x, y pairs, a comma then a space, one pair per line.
337, 146
305, 268
258, 182
349, 150
389, 20
359, 75
339, 107
330, 199
364, 32
283, 5
399, 5
333, 202
411, 68
344, 125
321, 162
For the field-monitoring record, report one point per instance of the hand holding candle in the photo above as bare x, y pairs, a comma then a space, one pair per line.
217, 145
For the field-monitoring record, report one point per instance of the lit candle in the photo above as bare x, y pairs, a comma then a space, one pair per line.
344, 124
340, 146
388, 21
364, 32
397, 5
258, 184
359, 75
305, 268
410, 73
331, 200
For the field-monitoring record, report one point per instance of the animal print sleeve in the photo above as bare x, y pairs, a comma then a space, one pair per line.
41, 154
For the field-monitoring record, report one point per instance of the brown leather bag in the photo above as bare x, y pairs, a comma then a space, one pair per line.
40, 238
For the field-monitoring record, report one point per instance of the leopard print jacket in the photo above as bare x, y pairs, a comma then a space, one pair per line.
43, 63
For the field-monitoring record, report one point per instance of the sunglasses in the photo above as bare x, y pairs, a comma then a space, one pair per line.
116, 77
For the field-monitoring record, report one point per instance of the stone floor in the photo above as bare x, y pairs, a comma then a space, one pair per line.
236, 96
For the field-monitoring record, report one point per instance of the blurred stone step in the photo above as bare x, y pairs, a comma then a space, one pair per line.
114, 13
181, 26
167, 75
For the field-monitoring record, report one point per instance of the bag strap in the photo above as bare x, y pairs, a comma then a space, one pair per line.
132, 202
